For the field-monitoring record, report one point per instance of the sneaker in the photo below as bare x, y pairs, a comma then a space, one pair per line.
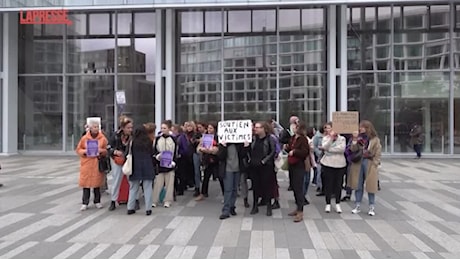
328, 208
98, 205
356, 210
154, 205
371, 211
338, 209
83, 207
167, 205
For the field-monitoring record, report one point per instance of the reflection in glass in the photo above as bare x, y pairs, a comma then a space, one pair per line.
39, 54
140, 97
370, 94
90, 56
198, 97
422, 98
191, 22
88, 96
200, 54
1, 115
136, 55
263, 20
239, 21
99, 24
40, 113
303, 95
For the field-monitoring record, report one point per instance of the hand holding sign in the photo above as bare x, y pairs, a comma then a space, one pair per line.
166, 159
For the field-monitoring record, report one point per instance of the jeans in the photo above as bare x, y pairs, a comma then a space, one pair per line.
418, 150
86, 195
306, 182
117, 176
315, 175
134, 191
197, 170
362, 178
231, 181
348, 189
319, 180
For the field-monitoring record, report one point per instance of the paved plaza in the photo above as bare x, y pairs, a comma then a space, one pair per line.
418, 216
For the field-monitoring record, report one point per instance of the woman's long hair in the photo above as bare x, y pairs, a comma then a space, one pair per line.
141, 140
370, 129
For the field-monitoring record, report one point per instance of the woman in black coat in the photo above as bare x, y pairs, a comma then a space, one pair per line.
143, 170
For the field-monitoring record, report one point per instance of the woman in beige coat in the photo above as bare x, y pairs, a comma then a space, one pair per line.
364, 172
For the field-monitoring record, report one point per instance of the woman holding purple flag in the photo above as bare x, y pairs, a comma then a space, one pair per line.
91, 146
165, 151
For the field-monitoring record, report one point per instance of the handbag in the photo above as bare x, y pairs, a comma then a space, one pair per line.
128, 165
104, 165
119, 160
356, 156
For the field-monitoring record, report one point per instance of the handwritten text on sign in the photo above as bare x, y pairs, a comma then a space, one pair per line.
235, 131
345, 122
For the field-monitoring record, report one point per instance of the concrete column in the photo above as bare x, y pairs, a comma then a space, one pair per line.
343, 90
170, 64
10, 82
159, 95
331, 61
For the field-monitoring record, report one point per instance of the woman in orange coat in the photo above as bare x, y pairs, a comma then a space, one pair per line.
91, 146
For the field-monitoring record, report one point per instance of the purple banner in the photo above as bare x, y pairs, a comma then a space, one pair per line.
208, 139
92, 148
166, 159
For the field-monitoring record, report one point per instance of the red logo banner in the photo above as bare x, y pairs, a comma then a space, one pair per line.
44, 17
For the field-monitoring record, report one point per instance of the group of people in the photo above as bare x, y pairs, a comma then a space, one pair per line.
177, 158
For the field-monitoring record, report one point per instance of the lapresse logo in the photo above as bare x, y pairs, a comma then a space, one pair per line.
45, 17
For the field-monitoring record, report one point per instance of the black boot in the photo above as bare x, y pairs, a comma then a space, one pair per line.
306, 202
137, 206
246, 204
112, 206
197, 192
131, 211
255, 209
269, 208
232, 211
276, 204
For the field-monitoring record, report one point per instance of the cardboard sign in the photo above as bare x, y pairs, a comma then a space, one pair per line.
345, 122
235, 131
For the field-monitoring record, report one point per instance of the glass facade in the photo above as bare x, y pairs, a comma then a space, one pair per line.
69, 73
258, 64
401, 63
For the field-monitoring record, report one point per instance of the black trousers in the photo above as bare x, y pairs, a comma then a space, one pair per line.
296, 180
185, 175
86, 195
332, 182
210, 170
262, 179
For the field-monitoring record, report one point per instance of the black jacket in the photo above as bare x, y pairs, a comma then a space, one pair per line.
269, 152
115, 143
242, 156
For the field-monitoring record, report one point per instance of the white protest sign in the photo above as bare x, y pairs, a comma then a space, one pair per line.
97, 119
235, 131
121, 97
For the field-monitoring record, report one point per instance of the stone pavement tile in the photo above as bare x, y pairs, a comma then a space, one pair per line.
321, 225
201, 252
108, 252
162, 236
244, 239
385, 254
436, 235
442, 212
281, 240
350, 254
443, 228
228, 253
135, 252
420, 255
242, 253
434, 255
296, 253
405, 255
184, 231
297, 235
162, 252
206, 232
336, 254
39, 250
